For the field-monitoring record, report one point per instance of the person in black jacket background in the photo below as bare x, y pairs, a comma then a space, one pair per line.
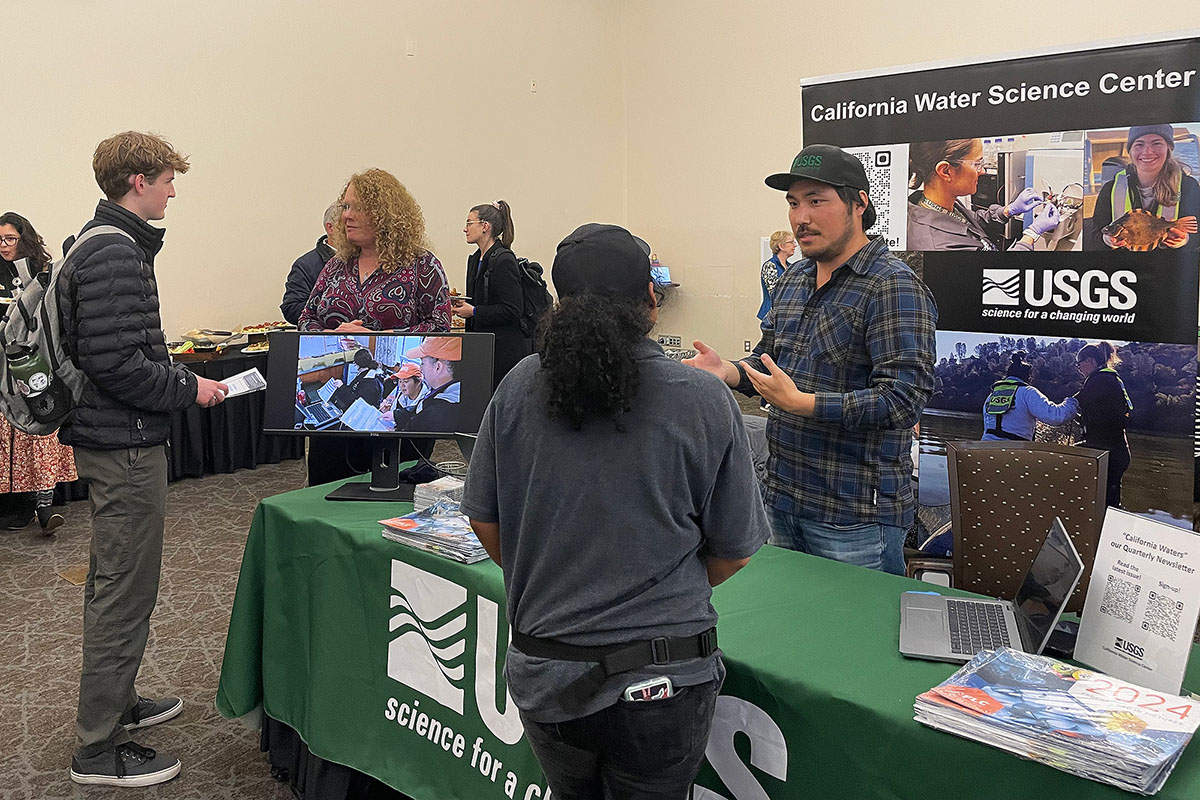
1104, 407
494, 283
108, 306
307, 267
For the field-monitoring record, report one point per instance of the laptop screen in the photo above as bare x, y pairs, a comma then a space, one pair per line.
1052, 577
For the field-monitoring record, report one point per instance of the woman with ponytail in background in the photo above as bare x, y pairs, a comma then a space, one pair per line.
1104, 406
494, 286
942, 172
599, 553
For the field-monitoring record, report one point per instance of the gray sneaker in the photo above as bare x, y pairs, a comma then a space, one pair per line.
149, 712
129, 764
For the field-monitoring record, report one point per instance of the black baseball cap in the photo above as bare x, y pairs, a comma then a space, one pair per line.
831, 165
602, 258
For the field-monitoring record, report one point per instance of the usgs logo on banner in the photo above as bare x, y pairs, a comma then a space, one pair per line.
428, 642
1093, 295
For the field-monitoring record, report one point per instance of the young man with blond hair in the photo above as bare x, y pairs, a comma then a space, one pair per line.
108, 305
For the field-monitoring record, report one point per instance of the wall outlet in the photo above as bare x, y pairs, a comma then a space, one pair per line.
746, 345
670, 341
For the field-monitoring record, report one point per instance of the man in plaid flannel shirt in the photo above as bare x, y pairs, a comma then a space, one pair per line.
846, 362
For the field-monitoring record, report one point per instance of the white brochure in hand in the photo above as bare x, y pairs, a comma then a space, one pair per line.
245, 382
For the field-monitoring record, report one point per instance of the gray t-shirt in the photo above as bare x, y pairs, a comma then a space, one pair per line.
603, 532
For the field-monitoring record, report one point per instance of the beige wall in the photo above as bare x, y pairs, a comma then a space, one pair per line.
660, 114
277, 103
712, 98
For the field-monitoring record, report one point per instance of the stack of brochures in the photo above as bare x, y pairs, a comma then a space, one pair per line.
1072, 719
439, 529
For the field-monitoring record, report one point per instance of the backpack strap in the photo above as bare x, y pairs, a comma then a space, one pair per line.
21, 265
88, 234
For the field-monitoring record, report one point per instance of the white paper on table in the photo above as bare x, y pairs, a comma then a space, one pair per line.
245, 382
362, 416
1142, 602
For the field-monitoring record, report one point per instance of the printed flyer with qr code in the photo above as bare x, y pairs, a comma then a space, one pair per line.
1142, 603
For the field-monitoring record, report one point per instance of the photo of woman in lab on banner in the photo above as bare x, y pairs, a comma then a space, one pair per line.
942, 174
1152, 201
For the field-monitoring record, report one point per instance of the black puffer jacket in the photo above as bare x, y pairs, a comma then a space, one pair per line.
108, 303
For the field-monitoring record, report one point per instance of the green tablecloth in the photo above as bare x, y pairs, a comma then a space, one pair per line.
817, 703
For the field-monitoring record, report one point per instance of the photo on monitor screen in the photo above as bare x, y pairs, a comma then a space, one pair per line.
378, 383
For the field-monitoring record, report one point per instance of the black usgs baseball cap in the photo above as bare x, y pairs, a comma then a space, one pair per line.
827, 164
602, 258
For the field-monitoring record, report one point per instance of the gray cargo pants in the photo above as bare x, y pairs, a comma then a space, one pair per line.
128, 492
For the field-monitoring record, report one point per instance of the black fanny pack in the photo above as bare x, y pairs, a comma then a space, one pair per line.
613, 659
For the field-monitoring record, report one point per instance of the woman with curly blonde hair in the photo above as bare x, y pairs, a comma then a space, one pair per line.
381, 276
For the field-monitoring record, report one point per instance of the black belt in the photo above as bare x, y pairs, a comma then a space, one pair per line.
1006, 435
613, 659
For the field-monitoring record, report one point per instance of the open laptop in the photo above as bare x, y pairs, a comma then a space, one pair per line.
954, 628
320, 415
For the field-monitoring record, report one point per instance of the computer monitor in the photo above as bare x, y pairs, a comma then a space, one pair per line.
381, 386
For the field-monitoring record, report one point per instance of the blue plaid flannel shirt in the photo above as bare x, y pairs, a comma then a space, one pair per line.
864, 344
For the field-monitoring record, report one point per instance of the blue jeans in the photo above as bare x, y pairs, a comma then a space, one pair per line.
872, 545
628, 751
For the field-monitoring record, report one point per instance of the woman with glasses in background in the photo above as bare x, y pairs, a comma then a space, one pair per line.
382, 277
497, 301
942, 172
28, 464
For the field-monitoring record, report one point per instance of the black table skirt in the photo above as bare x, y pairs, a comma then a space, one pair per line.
229, 436
314, 778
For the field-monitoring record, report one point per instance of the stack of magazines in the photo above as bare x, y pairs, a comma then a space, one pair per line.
440, 529
1073, 719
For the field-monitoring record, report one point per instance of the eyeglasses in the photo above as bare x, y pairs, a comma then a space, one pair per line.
9, 241
977, 164
474, 222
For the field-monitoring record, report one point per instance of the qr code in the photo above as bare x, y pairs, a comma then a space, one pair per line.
887, 173
878, 164
1162, 615
1120, 598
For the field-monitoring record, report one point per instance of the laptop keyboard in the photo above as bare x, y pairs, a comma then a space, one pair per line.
976, 626
320, 413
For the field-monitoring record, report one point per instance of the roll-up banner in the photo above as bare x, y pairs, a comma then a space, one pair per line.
1049, 202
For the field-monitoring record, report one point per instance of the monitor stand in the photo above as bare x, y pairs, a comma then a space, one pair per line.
385, 485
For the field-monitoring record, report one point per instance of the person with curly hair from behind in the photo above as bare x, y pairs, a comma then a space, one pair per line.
382, 276
605, 556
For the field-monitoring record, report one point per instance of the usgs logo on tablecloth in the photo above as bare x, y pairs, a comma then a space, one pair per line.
429, 635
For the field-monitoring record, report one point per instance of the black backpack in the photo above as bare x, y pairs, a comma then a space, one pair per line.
536, 296
31, 328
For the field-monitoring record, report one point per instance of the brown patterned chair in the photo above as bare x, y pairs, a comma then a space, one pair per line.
1003, 497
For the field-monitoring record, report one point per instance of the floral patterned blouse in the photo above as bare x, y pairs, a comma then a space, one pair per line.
416, 297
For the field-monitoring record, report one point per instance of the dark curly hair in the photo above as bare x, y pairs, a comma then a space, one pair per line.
586, 346
32, 246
